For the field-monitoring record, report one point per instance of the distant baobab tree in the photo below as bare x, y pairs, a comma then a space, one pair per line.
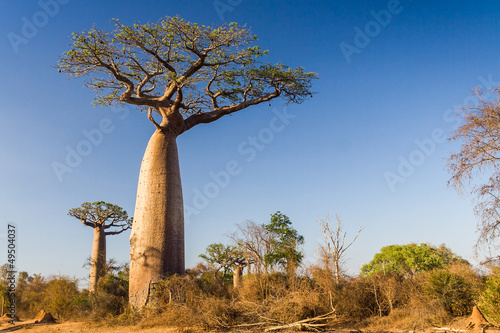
186, 74
106, 219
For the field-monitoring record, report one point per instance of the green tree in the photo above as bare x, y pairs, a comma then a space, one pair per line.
285, 243
489, 303
30, 293
187, 74
452, 290
60, 295
408, 260
5, 282
106, 219
224, 257
112, 291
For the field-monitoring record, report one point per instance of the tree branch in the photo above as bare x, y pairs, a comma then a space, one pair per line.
208, 117
150, 117
87, 223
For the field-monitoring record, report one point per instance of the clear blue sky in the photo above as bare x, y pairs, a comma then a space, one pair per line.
380, 91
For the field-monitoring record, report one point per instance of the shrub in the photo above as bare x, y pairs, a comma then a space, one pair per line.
60, 295
490, 298
457, 287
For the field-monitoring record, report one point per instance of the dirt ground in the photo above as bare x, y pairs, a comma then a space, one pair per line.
76, 327
79, 327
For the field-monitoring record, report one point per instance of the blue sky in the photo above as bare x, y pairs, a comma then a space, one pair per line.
384, 107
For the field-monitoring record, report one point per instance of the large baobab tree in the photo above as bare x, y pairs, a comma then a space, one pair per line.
106, 219
184, 74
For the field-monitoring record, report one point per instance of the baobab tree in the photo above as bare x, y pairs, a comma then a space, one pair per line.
185, 74
226, 257
106, 219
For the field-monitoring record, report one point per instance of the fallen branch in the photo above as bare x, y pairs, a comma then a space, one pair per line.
309, 323
449, 329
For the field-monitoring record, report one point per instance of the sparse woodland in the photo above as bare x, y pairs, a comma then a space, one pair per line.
410, 287
257, 280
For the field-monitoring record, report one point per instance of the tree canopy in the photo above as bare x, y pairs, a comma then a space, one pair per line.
212, 71
223, 256
285, 242
101, 214
408, 260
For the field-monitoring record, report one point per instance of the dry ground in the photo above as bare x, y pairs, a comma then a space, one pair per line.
77, 327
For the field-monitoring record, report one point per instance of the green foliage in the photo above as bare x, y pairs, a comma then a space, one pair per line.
102, 214
30, 293
60, 295
4, 285
222, 256
408, 260
452, 290
150, 59
285, 242
111, 296
57, 295
490, 298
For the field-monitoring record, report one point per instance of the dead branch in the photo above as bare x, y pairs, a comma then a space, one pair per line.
309, 323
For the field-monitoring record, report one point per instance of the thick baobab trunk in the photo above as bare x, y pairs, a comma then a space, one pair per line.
157, 238
98, 259
237, 276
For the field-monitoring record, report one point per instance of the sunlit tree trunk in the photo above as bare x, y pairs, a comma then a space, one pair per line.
98, 259
238, 275
157, 238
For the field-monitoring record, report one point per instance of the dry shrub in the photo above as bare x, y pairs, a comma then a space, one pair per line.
259, 287
188, 301
423, 311
281, 298
215, 313
414, 309
354, 299
177, 315
295, 306
408, 319
177, 290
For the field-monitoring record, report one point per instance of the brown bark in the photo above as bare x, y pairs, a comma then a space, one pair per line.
237, 276
98, 259
157, 238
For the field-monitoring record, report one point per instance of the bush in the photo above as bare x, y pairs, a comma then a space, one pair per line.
456, 287
490, 298
59, 297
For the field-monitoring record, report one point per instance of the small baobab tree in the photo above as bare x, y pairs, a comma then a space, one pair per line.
185, 74
106, 219
226, 258
335, 245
